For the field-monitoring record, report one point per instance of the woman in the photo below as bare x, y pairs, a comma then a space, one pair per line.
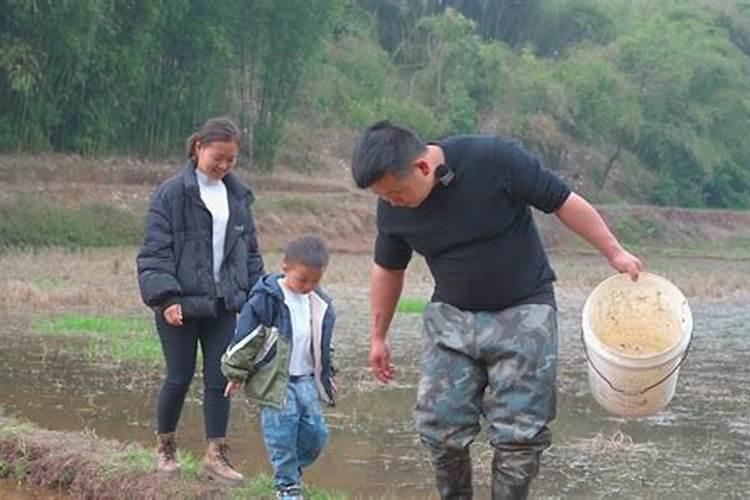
198, 262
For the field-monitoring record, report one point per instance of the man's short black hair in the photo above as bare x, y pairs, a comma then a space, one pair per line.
385, 148
307, 250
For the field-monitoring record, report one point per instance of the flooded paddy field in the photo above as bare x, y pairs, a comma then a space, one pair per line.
699, 447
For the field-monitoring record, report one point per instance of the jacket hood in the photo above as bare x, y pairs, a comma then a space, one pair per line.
269, 284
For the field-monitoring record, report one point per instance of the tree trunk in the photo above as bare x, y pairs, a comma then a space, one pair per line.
610, 165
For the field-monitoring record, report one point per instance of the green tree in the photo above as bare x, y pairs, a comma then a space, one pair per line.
449, 76
689, 80
295, 30
602, 107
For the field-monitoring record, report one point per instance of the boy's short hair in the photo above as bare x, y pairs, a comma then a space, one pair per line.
308, 250
385, 148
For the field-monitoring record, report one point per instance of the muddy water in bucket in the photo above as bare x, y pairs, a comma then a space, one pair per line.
635, 335
636, 324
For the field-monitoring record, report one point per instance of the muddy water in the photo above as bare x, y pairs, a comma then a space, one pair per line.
699, 446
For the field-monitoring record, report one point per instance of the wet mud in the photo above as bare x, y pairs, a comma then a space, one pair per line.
699, 447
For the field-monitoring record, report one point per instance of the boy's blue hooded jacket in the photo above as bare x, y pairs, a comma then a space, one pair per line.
262, 344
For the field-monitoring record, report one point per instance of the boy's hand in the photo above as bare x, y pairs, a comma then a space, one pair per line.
334, 387
232, 387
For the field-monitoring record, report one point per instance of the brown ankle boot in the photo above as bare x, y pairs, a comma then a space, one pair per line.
216, 463
166, 455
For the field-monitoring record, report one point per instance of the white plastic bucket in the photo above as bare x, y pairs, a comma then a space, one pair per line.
635, 336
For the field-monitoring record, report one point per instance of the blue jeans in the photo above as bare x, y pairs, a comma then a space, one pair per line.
296, 434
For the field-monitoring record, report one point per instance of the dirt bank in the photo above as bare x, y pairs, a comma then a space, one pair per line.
85, 466
327, 203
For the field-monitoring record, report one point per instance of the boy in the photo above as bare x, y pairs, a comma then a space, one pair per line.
281, 351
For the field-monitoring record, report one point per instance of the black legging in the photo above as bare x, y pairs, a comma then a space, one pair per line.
180, 344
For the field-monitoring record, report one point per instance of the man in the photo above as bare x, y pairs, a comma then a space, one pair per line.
490, 331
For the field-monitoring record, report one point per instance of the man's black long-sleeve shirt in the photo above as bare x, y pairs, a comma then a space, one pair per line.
477, 233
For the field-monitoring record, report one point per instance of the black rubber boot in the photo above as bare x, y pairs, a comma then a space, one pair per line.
505, 491
453, 475
512, 472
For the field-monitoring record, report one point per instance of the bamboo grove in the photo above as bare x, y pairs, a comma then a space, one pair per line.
136, 76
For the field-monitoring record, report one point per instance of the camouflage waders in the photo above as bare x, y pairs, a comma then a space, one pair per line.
500, 365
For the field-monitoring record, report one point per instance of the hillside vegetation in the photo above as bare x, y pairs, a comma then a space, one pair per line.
630, 100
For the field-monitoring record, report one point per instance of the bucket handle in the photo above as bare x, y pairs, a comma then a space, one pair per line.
642, 391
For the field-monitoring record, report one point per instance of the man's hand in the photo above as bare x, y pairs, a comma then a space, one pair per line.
380, 361
626, 262
173, 315
232, 387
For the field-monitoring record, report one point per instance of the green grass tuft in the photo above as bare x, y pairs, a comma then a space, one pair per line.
5, 469
124, 339
411, 306
81, 323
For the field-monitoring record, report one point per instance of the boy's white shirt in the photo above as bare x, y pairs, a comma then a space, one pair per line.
214, 196
301, 360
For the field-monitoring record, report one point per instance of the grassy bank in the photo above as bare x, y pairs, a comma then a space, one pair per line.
108, 337
32, 222
87, 467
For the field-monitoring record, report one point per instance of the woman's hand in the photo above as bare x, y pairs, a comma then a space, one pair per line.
173, 315
232, 387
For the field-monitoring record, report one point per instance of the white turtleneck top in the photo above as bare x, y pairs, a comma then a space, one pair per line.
214, 196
